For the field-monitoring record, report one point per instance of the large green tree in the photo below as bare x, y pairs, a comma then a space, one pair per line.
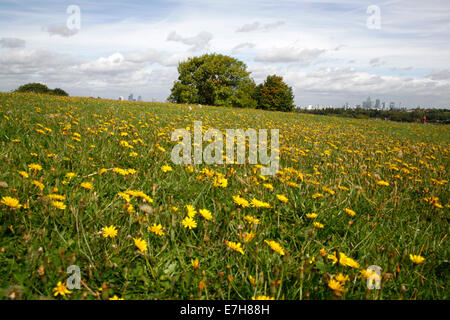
274, 94
214, 79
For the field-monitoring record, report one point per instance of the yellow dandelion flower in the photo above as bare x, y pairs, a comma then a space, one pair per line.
252, 280
259, 204
61, 289
350, 212
11, 202
189, 223
342, 278
24, 174
282, 198
275, 246
38, 184
35, 167
347, 261
336, 286
156, 229
318, 225
109, 232
240, 201
263, 298
190, 211
220, 182
416, 259
195, 263
236, 246
249, 236
124, 196
87, 185
333, 257
56, 197
206, 214
251, 219
141, 244
59, 205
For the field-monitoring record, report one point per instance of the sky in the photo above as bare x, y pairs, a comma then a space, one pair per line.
329, 51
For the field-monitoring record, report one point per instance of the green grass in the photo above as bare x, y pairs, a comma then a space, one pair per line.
38, 242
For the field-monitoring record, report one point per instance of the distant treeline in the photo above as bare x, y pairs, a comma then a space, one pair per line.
441, 116
41, 88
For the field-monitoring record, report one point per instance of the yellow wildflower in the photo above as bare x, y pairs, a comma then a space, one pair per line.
282, 198
61, 289
416, 259
141, 244
240, 201
206, 214
156, 229
110, 232
275, 246
11, 202
87, 185
236, 246
189, 223
350, 212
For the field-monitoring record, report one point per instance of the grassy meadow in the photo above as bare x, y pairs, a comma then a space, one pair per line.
89, 182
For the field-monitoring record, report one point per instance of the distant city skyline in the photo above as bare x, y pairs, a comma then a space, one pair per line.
326, 50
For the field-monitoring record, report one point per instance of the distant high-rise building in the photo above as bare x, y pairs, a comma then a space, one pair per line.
377, 103
367, 104
130, 97
392, 105
139, 98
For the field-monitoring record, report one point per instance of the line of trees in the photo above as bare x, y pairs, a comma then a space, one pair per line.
415, 115
41, 88
220, 80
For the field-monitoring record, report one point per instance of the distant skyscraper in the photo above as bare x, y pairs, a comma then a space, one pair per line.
392, 105
377, 103
139, 98
130, 97
367, 104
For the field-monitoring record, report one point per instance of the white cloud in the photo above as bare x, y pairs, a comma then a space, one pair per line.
302, 57
60, 30
248, 45
249, 27
12, 43
442, 74
198, 42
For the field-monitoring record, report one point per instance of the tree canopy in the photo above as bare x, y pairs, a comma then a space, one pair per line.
220, 80
213, 79
275, 94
